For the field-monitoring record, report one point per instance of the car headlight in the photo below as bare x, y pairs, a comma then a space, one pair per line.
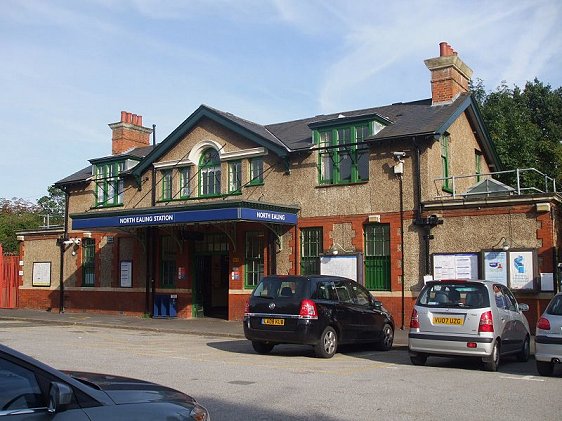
198, 413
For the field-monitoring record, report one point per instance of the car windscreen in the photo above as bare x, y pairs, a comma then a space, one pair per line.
285, 287
555, 306
455, 295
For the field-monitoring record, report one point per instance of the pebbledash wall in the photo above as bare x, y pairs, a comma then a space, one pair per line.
465, 224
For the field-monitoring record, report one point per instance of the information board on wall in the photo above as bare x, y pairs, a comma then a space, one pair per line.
41, 276
126, 274
495, 266
455, 266
522, 270
348, 266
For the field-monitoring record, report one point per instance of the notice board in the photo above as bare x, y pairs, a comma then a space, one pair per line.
455, 266
346, 265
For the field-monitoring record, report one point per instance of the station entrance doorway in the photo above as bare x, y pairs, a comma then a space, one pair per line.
210, 277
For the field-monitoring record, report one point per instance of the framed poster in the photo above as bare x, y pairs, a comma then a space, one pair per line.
455, 266
41, 276
346, 265
126, 274
495, 266
521, 269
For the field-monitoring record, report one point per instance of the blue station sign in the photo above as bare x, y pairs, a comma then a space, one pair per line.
184, 216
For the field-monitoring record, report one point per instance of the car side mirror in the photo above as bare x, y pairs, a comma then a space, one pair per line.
523, 307
377, 304
60, 394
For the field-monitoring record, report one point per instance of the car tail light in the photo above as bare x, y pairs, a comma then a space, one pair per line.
308, 310
543, 324
247, 308
486, 322
414, 320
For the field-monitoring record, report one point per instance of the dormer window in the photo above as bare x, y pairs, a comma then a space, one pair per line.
109, 186
343, 155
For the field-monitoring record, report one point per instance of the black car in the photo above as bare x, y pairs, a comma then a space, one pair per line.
31, 390
320, 310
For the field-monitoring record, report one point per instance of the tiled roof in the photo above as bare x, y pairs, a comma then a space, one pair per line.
85, 173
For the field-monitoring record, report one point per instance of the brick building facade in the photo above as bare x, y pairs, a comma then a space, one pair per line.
187, 227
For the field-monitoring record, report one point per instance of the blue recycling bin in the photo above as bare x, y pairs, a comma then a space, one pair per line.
165, 305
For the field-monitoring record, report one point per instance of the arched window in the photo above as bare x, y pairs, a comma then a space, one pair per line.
209, 173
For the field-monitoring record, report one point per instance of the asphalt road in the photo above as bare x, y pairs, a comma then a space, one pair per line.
234, 383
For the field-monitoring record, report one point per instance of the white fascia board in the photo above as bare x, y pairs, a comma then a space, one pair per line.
244, 153
172, 164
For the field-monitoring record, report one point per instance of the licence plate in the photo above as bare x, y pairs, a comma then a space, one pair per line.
273, 322
457, 321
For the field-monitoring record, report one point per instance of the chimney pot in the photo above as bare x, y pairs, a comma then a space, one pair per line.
129, 133
443, 49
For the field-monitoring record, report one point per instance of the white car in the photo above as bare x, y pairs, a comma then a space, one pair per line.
479, 319
548, 339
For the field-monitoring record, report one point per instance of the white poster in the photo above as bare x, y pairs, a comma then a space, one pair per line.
340, 265
41, 276
495, 266
455, 266
126, 274
521, 270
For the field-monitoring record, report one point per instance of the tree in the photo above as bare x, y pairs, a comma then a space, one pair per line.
16, 215
525, 125
53, 205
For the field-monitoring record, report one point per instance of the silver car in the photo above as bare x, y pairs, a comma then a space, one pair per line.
548, 339
468, 318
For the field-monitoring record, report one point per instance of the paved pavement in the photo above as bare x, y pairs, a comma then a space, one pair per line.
204, 326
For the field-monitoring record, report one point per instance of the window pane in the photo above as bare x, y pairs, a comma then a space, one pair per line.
256, 170
311, 247
234, 176
19, 388
88, 261
254, 258
345, 166
184, 182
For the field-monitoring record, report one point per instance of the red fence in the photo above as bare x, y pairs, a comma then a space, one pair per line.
8, 280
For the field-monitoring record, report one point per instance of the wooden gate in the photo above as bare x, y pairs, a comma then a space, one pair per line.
8, 280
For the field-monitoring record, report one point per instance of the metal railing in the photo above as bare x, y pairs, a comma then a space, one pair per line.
526, 181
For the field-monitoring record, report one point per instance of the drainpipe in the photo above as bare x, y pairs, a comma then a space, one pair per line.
62, 247
150, 239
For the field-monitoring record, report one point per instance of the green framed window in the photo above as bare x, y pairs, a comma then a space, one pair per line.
445, 164
185, 176
88, 262
168, 263
210, 173
166, 185
377, 257
254, 262
256, 171
478, 164
311, 247
234, 176
109, 186
343, 155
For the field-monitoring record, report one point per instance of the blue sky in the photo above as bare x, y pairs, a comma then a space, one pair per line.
69, 67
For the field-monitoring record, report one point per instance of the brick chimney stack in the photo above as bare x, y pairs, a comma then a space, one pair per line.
128, 133
449, 75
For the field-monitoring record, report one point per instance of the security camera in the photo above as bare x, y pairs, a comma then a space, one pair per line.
399, 155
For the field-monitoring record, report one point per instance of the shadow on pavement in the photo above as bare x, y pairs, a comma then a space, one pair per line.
221, 410
398, 356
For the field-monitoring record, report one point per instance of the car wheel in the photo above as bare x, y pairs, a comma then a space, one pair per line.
385, 344
262, 347
545, 368
328, 344
523, 355
418, 359
494, 362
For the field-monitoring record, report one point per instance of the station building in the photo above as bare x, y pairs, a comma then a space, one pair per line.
390, 195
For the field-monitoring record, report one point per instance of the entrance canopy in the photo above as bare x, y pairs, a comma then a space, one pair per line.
169, 215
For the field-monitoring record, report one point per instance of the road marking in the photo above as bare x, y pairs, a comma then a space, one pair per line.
530, 378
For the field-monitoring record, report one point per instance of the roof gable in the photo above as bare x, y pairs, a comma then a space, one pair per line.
252, 131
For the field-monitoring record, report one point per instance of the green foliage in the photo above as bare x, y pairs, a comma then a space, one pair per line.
16, 215
525, 125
